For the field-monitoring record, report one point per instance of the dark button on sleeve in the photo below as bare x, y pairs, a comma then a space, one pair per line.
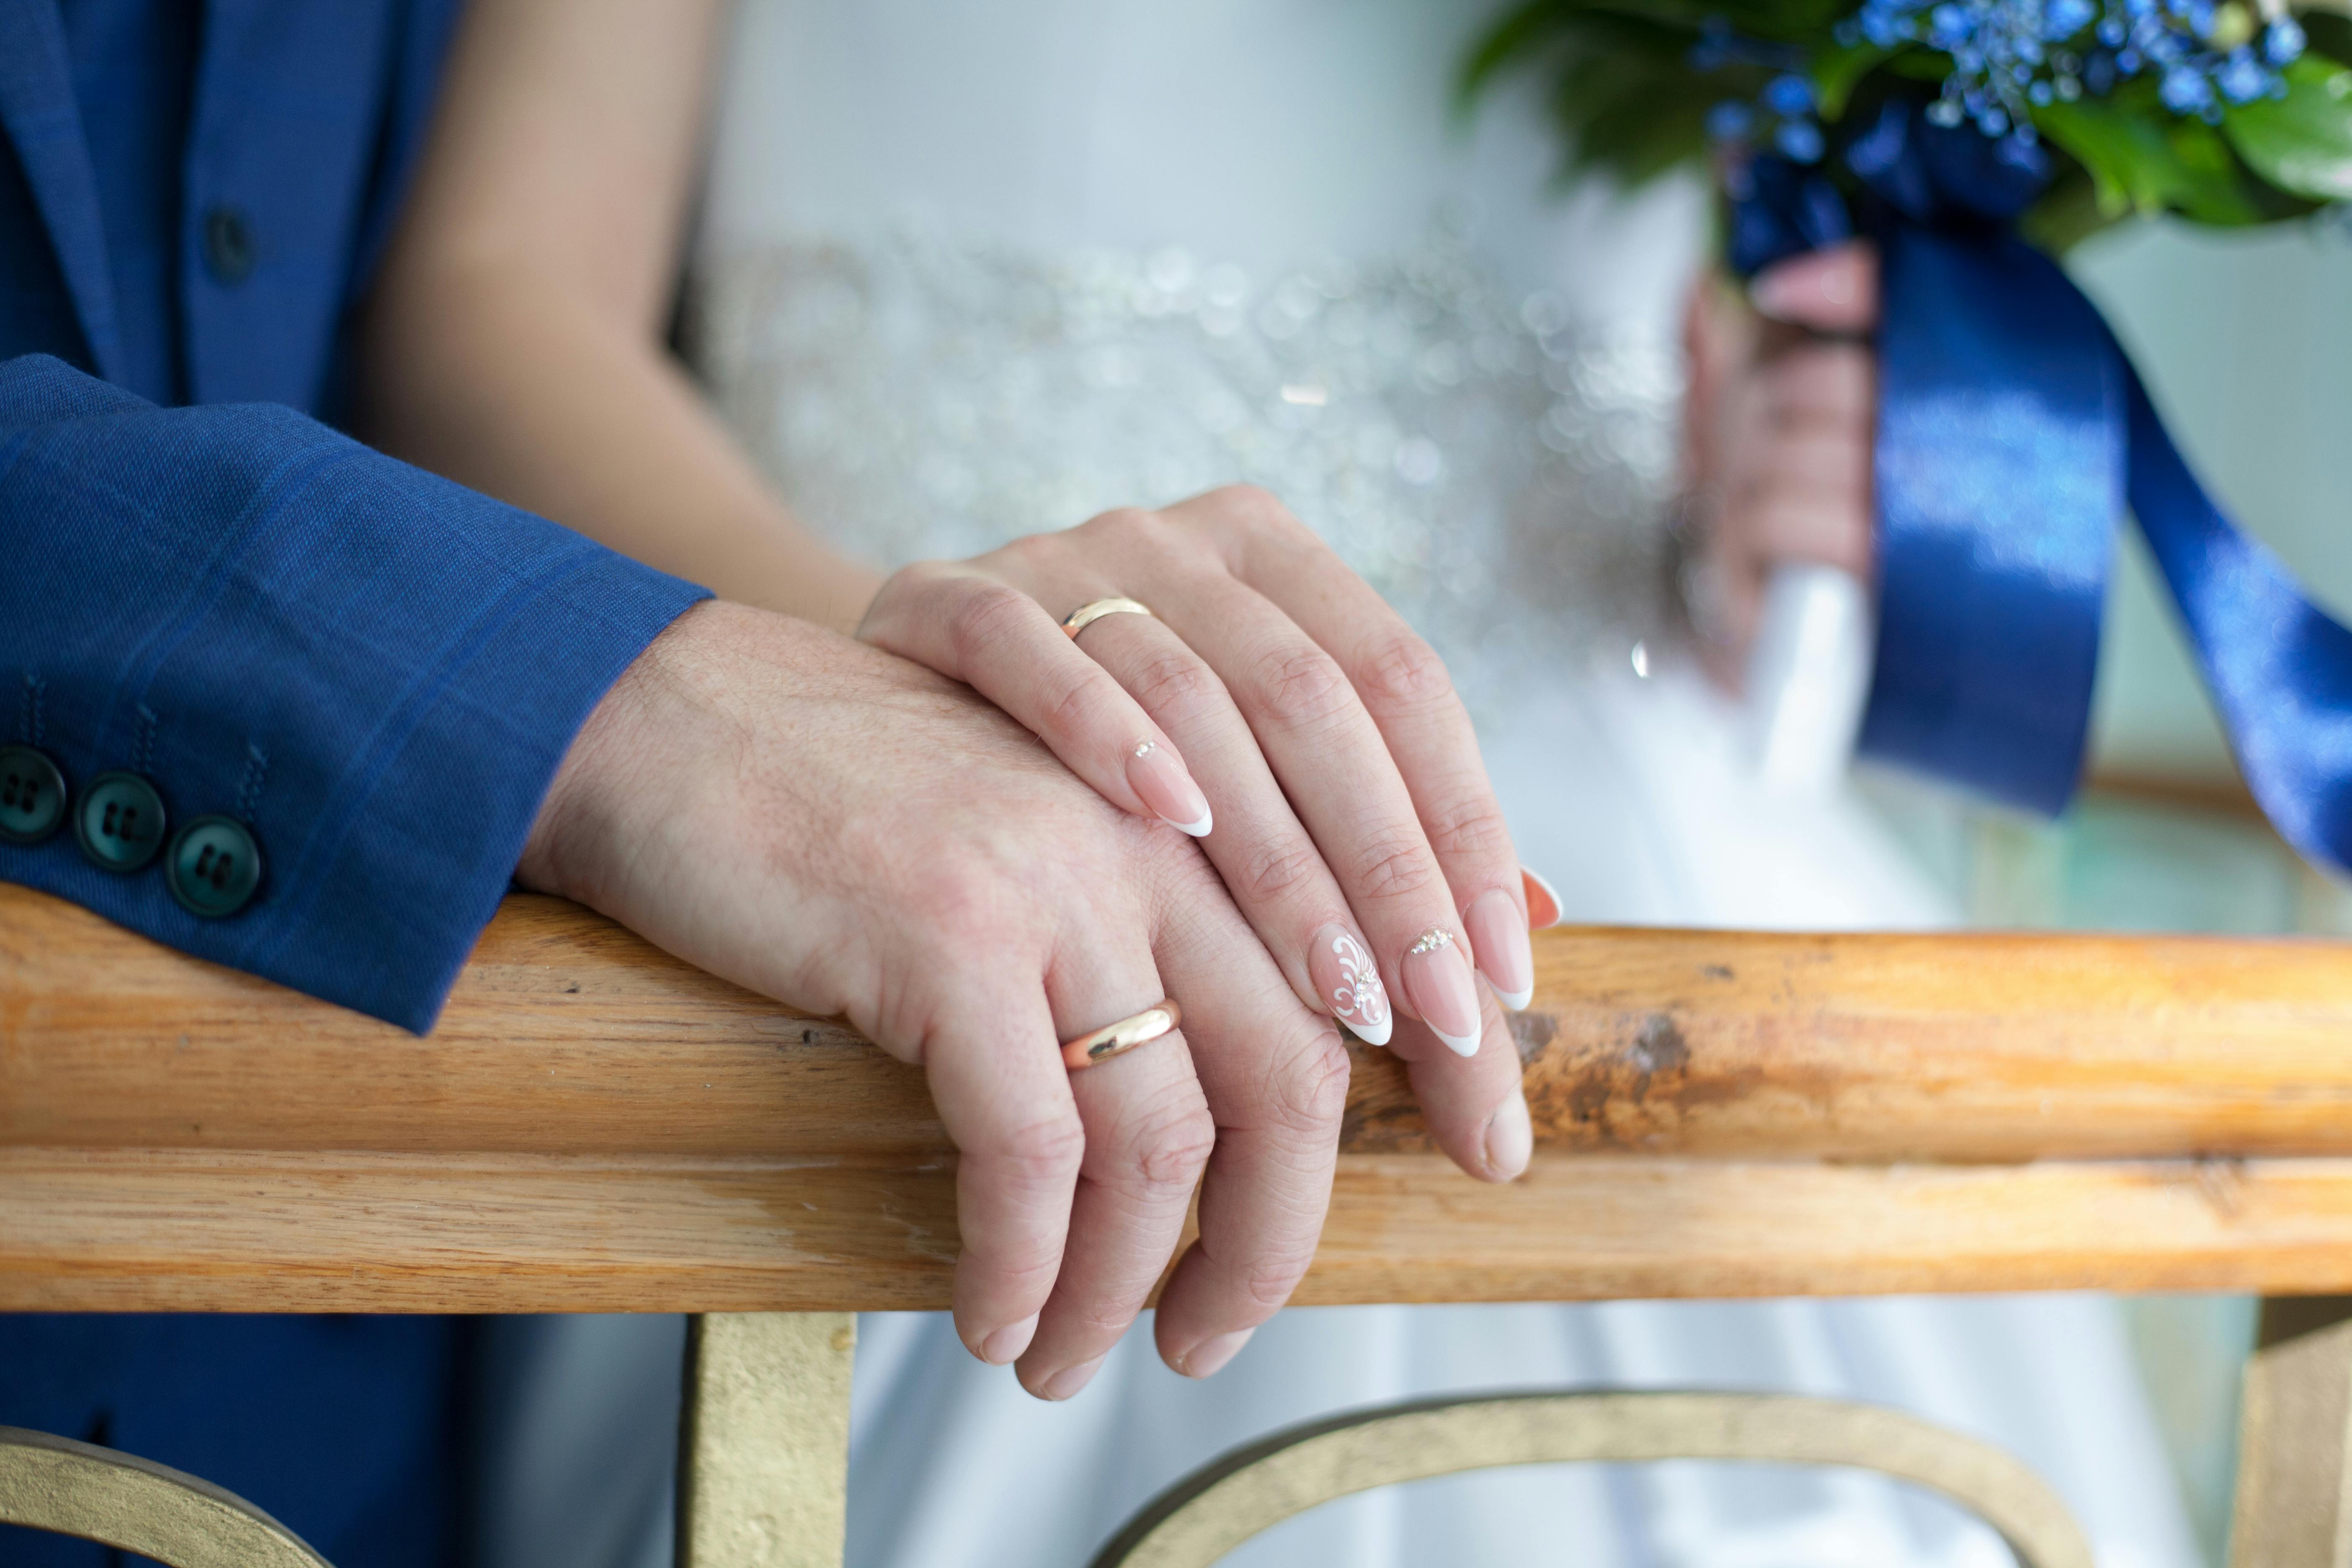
32, 796
118, 822
230, 248
213, 867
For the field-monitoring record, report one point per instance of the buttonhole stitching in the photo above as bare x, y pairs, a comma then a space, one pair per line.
256, 774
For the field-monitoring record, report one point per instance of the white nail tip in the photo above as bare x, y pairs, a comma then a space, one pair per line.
1516, 1000
1373, 1034
1460, 1044
1197, 829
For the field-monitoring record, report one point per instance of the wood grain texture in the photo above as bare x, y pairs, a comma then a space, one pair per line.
596, 1125
567, 1034
340, 1232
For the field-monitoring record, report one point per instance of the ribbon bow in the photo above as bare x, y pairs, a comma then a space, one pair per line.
2012, 430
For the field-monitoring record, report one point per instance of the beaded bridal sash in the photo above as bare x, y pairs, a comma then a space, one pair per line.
1498, 471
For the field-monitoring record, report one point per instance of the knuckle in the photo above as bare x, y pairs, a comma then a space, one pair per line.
1403, 672
1072, 701
1172, 1149
1044, 1153
1302, 686
1311, 1092
1395, 864
1251, 506
1468, 828
1272, 870
1125, 525
1268, 1281
983, 616
1176, 682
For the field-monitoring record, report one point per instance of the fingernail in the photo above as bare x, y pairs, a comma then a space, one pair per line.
1543, 904
1510, 1137
1007, 1342
1168, 789
1205, 1359
1069, 1380
1437, 979
1341, 967
1775, 292
1498, 938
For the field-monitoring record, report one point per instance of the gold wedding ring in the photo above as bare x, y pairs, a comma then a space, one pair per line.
1084, 615
1113, 1039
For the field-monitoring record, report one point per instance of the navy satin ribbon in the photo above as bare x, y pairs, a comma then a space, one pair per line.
2012, 432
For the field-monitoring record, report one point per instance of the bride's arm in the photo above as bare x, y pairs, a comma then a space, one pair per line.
514, 340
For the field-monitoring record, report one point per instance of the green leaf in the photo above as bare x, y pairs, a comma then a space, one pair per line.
2302, 142
2137, 161
1838, 72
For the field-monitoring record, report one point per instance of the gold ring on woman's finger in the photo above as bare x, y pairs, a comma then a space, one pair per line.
1087, 615
1112, 1039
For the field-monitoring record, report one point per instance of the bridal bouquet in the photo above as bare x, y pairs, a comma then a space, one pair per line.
1972, 140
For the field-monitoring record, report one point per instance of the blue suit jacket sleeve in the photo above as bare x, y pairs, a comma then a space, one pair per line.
376, 669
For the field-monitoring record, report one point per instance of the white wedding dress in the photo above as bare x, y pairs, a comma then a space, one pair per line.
968, 271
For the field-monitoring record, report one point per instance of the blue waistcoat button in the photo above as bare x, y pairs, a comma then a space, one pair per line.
119, 821
213, 867
32, 796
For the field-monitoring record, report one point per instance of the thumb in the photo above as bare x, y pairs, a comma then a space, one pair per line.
1834, 290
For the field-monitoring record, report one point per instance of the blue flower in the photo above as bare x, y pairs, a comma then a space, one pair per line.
1789, 96
1730, 120
2241, 78
1800, 140
2186, 90
1949, 26
1883, 28
2064, 18
2283, 42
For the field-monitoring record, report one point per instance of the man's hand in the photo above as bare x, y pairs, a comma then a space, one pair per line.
1779, 428
849, 833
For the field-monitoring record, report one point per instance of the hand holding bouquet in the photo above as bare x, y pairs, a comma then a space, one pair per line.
1968, 141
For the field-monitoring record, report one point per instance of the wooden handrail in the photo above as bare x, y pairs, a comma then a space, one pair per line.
596, 1125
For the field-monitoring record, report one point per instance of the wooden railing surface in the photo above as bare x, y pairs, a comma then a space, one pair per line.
597, 1126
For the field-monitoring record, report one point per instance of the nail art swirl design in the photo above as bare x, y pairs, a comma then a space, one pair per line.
1359, 998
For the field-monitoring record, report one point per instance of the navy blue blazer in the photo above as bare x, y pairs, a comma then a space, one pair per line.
369, 672
373, 670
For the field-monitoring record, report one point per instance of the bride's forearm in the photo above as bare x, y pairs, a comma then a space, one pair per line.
513, 338
508, 384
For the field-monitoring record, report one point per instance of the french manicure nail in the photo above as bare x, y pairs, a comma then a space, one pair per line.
1070, 1379
1341, 967
1168, 789
1543, 903
1007, 1342
1498, 936
1510, 1137
1438, 980
1205, 1359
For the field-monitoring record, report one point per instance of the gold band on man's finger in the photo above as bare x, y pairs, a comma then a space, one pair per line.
1113, 1039
1087, 615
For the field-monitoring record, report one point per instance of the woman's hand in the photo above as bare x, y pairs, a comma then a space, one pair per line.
1271, 696
850, 833
1778, 426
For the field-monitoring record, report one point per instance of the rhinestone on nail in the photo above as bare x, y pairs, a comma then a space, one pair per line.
1145, 748
1431, 939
